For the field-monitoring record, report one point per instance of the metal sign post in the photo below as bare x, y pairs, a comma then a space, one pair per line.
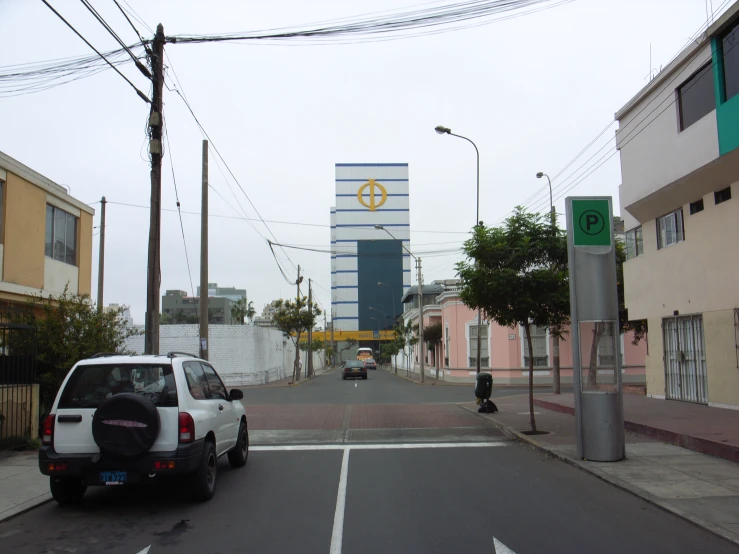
595, 330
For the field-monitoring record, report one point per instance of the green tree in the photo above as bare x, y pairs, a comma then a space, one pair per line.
243, 309
406, 335
316, 346
238, 310
515, 274
69, 328
293, 317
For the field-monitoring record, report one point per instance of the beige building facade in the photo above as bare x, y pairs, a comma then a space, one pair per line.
679, 145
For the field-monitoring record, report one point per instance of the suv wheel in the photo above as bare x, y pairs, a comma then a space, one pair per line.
204, 478
238, 454
67, 490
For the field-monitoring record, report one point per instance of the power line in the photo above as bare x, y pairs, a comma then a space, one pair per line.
138, 18
540, 202
141, 94
141, 67
135, 30
177, 197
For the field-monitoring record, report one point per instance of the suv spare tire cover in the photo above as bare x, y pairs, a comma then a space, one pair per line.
125, 425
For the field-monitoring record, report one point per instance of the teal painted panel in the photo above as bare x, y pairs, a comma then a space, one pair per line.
727, 111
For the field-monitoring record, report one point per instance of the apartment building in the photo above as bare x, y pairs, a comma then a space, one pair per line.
679, 198
45, 236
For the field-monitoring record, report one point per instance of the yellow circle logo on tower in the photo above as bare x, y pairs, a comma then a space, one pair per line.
373, 205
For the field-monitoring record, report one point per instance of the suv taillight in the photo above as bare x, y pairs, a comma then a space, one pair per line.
47, 434
187, 427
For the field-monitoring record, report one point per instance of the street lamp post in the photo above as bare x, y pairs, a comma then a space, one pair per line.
447, 131
555, 339
383, 314
395, 316
420, 297
378, 332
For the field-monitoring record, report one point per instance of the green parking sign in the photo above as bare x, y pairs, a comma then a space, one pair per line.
591, 223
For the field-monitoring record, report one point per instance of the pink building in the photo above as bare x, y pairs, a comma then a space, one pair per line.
504, 351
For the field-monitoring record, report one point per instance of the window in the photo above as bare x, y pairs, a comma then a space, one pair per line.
670, 229
61, 235
696, 206
217, 389
484, 355
196, 381
606, 348
540, 344
446, 348
722, 195
730, 55
634, 243
696, 97
90, 385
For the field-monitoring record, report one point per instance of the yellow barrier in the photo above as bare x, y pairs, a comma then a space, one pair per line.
344, 335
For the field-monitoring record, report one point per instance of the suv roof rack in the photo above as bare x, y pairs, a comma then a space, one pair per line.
175, 354
104, 354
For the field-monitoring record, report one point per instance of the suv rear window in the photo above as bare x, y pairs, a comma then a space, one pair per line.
89, 385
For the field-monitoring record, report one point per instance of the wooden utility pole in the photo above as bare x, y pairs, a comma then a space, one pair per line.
309, 365
333, 342
203, 300
153, 276
101, 257
296, 369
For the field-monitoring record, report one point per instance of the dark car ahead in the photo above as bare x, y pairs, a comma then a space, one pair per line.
354, 368
370, 363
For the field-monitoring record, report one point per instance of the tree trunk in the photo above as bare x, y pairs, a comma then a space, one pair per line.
527, 328
598, 330
296, 368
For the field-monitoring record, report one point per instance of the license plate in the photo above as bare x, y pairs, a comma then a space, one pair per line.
112, 477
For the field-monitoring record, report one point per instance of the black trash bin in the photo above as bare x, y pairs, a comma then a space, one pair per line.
484, 386
483, 391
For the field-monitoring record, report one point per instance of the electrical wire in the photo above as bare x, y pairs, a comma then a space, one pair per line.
135, 30
140, 94
431, 20
566, 184
141, 67
177, 197
136, 16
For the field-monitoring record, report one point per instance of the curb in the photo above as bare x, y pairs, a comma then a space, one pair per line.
306, 380
696, 444
31, 505
603, 476
442, 383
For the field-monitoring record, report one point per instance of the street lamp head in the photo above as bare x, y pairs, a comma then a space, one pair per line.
379, 283
539, 175
379, 227
443, 130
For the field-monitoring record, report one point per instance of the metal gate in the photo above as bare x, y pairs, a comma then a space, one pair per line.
685, 359
17, 374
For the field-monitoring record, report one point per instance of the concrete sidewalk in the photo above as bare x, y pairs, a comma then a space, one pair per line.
22, 486
700, 488
704, 429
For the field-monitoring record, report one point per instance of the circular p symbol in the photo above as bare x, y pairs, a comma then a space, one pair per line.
591, 222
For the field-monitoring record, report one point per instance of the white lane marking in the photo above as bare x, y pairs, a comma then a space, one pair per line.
500, 548
144, 551
337, 535
295, 447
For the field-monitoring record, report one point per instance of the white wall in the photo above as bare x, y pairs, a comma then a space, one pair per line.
58, 275
654, 152
242, 354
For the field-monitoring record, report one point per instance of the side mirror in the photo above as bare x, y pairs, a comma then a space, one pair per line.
236, 394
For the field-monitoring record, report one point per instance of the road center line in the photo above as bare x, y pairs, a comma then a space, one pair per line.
337, 535
345, 447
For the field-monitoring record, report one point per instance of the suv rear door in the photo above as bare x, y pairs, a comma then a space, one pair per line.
228, 419
89, 384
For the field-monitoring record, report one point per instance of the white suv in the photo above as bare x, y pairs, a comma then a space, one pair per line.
123, 419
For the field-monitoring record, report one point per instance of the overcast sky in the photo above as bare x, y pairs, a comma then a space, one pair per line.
532, 92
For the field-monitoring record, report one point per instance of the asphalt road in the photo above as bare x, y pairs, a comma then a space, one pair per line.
445, 490
381, 387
